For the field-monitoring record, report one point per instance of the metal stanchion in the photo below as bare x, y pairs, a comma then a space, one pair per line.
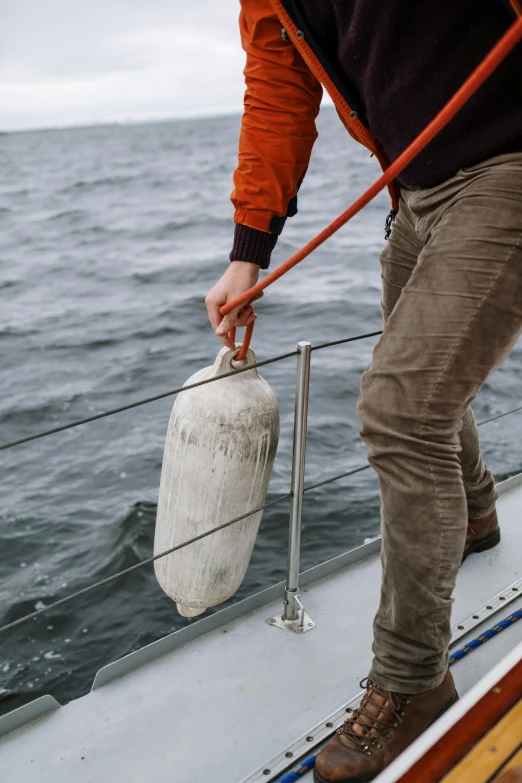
294, 617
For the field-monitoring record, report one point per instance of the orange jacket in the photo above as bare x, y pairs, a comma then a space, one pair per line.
283, 93
282, 98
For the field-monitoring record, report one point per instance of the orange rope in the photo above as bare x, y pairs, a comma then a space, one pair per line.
508, 41
516, 5
245, 345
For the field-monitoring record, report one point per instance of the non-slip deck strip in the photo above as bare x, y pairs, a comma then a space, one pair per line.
305, 765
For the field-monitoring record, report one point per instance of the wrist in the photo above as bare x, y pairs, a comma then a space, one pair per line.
244, 271
250, 266
252, 245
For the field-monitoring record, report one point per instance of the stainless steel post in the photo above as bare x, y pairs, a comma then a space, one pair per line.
294, 616
298, 468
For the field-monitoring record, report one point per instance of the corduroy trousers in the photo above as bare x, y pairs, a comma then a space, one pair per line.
452, 306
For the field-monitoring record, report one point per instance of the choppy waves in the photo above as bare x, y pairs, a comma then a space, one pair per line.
109, 240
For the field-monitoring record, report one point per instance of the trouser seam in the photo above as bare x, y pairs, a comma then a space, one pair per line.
430, 397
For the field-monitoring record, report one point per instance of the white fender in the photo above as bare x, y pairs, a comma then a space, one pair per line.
219, 453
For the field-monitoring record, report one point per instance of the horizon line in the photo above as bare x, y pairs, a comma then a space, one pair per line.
130, 121
126, 121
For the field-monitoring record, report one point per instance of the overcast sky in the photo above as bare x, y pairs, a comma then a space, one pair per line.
71, 62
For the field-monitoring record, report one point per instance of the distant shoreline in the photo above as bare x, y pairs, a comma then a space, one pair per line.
119, 123
132, 122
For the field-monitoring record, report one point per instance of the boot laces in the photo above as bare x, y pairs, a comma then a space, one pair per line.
365, 725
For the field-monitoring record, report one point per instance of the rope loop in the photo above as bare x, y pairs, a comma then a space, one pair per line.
248, 331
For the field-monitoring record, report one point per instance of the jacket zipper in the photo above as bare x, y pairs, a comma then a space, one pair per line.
352, 123
297, 38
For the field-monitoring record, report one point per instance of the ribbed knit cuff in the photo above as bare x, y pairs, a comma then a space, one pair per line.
252, 245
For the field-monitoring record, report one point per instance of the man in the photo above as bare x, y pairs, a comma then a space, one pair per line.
452, 298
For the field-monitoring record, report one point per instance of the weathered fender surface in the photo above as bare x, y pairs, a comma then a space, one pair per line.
219, 453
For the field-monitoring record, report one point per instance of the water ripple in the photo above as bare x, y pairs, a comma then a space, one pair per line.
111, 238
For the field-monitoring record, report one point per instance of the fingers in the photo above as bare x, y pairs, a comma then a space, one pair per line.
238, 278
234, 320
244, 315
214, 315
227, 342
227, 323
222, 325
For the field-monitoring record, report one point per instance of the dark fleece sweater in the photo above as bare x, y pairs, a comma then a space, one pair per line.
405, 59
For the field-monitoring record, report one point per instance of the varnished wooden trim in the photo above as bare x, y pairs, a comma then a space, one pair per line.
492, 752
514, 763
450, 748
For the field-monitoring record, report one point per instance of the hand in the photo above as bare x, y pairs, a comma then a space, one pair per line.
239, 277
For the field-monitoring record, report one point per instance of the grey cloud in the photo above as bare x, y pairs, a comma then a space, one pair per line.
146, 58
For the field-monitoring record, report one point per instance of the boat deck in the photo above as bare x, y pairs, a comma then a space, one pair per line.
220, 700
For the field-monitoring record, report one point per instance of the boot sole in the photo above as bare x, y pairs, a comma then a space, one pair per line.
483, 544
319, 779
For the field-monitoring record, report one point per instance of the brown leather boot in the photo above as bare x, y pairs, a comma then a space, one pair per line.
482, 534
379, 729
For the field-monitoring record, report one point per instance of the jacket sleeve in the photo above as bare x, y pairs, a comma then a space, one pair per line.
282, 100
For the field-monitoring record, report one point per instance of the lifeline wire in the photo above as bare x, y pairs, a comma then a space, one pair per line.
345, 340
307, 764
335, 478
470, 86
204, 535
365, 467
162, 396
500, 416
139, 565
168, 552
131, 405
499, 52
